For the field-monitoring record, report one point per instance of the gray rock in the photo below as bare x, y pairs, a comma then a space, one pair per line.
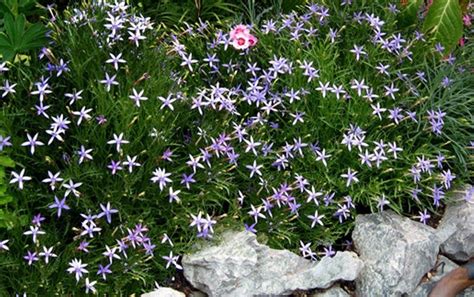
426, 286
397, 252
240, 266
456, 229
164, 292
334, 291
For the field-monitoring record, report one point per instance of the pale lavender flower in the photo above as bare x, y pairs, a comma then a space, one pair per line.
31, 257
37, 219
19, 178
77, 268
111, 253
47, 253
256, 213
71, 187
41, 109
107, 211
83, 246
84, 154
74, 96
118, 141
3, 245
382, 202
172, 260
322, 157
83, 114
350, 176
59, 205
358, 51
167, 102
254, 169
90, 286
7, 88
104, 270
187, 180
424, 216
34, 232
188, 61
329, 252
4, 142
173, 195
359, 86
109, 81
131, 162
89, 229
447, 177
32, 142
438, 194
114, 166
115, 60
161, 177
137, 97
316, 219
250, 228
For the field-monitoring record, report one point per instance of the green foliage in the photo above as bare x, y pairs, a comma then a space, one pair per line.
18, 36
155, 67
255, 11
17, 7
410, 12
7, 218
174, 12
444, 22
443, 19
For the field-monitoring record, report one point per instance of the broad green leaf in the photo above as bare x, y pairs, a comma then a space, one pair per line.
444, 21
20, 37
6, 161
34, 37
410, 12
9, 24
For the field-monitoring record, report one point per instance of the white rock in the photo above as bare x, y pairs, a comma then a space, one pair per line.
240, 266
456, 229
164, 292
397, 252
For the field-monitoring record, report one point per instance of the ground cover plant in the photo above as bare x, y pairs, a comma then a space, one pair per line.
125, 142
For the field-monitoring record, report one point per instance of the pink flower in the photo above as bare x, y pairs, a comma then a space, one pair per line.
241, 38
241, 41
467, 20
239, 29
252, 40
461, 41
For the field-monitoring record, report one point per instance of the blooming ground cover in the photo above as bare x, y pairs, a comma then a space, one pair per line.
125, 142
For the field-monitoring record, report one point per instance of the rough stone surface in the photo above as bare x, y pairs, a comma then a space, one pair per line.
334, 291
240, 266
164, 292
425, 287
397, 252
456, 229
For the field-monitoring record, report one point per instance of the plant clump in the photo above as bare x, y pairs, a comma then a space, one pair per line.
131, 141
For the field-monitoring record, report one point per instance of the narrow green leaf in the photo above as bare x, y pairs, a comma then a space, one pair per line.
444, 21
